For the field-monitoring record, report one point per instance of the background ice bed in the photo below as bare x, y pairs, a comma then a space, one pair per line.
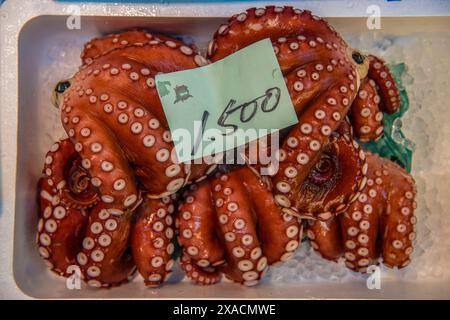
49, 52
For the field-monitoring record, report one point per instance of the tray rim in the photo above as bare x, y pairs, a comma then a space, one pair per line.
9, 42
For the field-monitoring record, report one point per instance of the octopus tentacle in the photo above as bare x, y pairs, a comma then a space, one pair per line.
198, 225
151, 240
62, 219
310, 81
156, 57
325, 237
98, 46
360, 231
398, 220
76, 234
379, 72
104, 159
239, 209
274, 22
60, 231
378, 93
322, 75
297, 52
105, 259
301, 149
237, 227
197, 274
379, 223
384, 215
367, 119
323, 193
279, 233
67, 176
133, 69
99, 94
149, 146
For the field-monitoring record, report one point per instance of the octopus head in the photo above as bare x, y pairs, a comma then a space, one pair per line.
361, 63
333, 181
58, 92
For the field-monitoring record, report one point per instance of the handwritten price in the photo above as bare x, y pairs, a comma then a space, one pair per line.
267, 102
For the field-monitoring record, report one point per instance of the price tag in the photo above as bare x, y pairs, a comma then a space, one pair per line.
226, 104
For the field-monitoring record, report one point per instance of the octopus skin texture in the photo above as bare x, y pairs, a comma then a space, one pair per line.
151, 240
231, 224
380, 223
112, 113
322, 73
378, 93
76, 229
336, 179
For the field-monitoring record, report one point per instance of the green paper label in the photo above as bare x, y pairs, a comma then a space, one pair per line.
226, 104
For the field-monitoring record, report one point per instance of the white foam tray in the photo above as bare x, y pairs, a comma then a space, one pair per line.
29, 125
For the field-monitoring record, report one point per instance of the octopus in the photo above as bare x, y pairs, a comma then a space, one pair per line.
114, 199
230, 224
378, 93
75, 227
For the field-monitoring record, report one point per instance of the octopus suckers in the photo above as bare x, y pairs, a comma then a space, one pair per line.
176, 184
241, 17
301, 73
136, 128
149, 141
139, 113
260, 12
245, 265
223, 218
150, 82
238, 252
111, 224
352, 231
186, 50
157, 262
131, 199
239, 224
192, 250
363, 238
314, 145
97, 255
230, 236
302, 158
45, 239
291, 245
94, 283
247, 239
93, 271
107, 166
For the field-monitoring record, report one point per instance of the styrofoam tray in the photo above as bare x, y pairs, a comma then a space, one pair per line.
42, 50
